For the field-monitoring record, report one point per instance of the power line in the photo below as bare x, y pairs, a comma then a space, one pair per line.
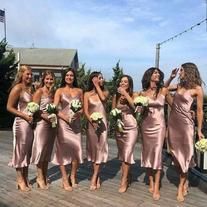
157, 55
181, 33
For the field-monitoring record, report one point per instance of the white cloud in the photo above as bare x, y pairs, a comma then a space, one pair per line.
106, 31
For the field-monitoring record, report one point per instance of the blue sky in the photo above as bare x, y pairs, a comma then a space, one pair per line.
105, 31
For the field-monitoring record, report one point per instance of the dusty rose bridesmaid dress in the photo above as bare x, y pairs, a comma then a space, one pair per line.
68, 143
181, 130
22, 135
44, 136
153, 134
126, 140
97, 146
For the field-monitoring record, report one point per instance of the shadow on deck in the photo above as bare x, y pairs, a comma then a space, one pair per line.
137, 194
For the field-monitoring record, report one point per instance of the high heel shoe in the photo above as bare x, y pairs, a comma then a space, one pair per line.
66, 186
22, 186
93, 187
180, 196
41, 184
123, 187
156, 196
73, 182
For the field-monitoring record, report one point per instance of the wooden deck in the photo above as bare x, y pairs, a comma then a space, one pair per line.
108, 196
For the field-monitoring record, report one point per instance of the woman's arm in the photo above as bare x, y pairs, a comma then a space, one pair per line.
37, 98
85, 107
127, 96
13, 101
57, 102
172, 76
103, 95
114, 102
199, 112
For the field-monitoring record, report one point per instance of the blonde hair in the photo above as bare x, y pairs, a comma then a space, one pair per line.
18, 77
47, 72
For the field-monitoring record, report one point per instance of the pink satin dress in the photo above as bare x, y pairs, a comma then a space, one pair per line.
44, 136
181, 131
97, 145
126, 140
153, 134
68, 143
22, 135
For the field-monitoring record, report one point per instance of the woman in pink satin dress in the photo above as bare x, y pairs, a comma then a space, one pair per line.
68, 149
20, 95
153, 127
44, 134
126, 140
97, 145
181, 125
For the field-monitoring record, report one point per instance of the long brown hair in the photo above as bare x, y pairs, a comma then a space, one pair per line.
147, 78
191, 77
18, 77
75, 82
129, 90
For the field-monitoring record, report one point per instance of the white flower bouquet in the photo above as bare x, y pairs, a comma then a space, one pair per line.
201, 145
140, 102
75, 106
51, 110
116, 115
32, 108
97, 117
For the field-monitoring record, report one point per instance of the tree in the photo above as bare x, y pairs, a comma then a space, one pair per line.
82, 77
112, 87
7, 71
112, 84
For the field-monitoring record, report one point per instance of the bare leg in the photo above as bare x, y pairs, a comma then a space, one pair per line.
45, 168
40, 177
96, 169
180, 195
25, 174
183, 178
73, 175
151, 180
156, 192
186, 187
124, 178
65, 184
21, 184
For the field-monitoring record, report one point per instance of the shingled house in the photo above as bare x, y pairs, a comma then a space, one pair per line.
41, 59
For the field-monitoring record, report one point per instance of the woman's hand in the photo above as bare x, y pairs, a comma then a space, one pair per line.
200, 135
138, 109
174, 73
29, 119
95, 81
95, 125
122, 91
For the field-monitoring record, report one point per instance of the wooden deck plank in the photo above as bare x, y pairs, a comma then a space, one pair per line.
108, 196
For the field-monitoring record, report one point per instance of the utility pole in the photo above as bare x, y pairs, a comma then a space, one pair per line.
158, 45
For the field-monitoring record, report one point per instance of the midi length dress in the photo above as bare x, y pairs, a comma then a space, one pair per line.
44, 136
97, 145
181, 131
126, 140
153, 134
22, 135
68, 143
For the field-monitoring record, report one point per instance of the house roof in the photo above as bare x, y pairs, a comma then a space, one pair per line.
45, 56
